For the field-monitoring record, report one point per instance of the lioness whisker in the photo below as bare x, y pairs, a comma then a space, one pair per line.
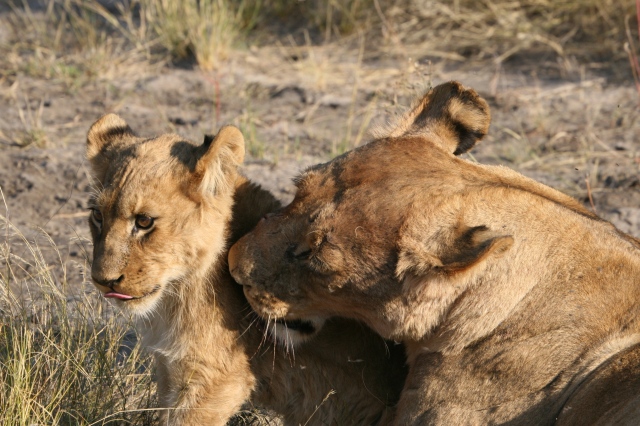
255, 319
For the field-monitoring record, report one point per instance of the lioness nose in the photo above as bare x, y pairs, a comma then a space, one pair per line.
108, 282
237, 272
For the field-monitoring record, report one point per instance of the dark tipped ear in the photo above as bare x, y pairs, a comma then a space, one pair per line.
473, 246
218, 159
461, 250
109, 129
208, 139
453, 117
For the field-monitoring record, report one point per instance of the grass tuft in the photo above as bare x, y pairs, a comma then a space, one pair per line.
64, 356
203, 29
34, 133
632, 50
501, 29
71, 41
99, 43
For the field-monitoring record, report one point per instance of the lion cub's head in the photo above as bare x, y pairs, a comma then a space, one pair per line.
347, 236
158, 205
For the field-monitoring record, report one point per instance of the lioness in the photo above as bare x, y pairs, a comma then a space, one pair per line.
517, 305
164, 213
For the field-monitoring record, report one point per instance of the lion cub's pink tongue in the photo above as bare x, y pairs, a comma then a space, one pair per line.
118, 295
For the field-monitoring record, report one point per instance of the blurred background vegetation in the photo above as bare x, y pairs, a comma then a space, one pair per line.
68, 38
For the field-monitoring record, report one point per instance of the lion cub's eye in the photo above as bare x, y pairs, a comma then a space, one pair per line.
96, 216
143, 221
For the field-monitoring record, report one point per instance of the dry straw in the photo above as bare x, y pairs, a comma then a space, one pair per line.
65, 358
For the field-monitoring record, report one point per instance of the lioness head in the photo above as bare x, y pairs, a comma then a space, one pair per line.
350, 241
159, 204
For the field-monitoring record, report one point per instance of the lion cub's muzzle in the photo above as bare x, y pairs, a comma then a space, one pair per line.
112, 289
108, 288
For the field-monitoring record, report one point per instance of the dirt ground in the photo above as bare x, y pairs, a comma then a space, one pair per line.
575, 130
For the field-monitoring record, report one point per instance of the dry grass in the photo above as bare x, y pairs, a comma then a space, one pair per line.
499, 29
493, 30
631, 49
329, 19
203, 29
65, 358
76, 40
247, 124
31, 119
71, 41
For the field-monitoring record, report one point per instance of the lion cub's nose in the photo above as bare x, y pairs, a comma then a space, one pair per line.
105, 282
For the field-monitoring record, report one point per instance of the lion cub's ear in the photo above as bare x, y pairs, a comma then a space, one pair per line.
218, 158
103, 133
453, 117
445, 255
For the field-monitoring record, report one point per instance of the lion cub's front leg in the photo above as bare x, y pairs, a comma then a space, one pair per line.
196, 394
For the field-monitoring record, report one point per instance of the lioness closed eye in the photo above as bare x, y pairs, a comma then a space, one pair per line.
164, 212
517, 305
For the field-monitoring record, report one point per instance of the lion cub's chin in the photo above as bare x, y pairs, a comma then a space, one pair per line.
292, 333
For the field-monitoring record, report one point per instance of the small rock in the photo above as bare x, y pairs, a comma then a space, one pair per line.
621, 146
179, 121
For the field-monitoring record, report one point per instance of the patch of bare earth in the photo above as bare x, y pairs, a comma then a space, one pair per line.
299, 109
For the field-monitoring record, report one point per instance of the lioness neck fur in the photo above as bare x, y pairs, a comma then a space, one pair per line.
517, 304
163, 214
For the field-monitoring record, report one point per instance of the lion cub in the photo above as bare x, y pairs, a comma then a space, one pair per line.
517, 305
164, 213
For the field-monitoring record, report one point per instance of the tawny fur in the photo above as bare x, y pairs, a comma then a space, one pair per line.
211, 353
517, 304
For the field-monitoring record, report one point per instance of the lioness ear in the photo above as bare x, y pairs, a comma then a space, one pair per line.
471, 247
453, 117
107, 130
218, 159
451, 254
